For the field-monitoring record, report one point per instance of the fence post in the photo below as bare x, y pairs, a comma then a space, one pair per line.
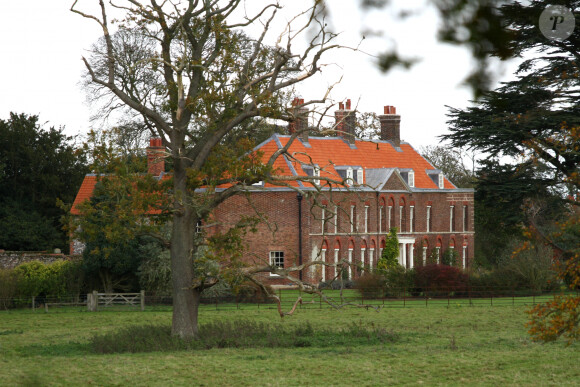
142, 300
92, 301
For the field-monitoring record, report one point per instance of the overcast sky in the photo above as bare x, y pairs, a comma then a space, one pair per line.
42, 42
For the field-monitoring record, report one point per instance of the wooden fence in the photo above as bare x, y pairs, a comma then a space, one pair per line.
97, 300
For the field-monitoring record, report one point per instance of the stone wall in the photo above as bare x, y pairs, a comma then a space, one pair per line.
11, 259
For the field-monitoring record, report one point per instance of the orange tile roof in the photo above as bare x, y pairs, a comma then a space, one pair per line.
328, 152
85, 192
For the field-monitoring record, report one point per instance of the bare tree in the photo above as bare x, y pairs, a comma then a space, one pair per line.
193, 77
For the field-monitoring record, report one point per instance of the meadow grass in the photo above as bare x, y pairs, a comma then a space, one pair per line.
431, 346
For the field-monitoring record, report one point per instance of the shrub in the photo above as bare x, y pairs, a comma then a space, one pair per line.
337, 284
371, 285
390, 254
250, 292
450, 257
8, 287
433, 257
440, 279
57, 279
399, 281
530, 266
244, 292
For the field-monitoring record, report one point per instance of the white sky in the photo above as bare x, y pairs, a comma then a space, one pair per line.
41, 44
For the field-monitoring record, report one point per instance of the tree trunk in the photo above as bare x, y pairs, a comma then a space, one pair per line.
185, 299
106, 280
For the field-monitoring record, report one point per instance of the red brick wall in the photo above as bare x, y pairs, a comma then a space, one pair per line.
279, 230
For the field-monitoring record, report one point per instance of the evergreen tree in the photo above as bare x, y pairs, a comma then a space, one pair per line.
37, 167
534, 121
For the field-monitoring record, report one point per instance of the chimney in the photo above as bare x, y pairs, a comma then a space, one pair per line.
391, 126
300, 122
155, 157
345, 122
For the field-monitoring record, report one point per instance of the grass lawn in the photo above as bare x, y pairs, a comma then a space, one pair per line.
435, 346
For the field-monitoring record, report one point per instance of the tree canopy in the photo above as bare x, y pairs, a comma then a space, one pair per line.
37, 167
192, 74
530, 130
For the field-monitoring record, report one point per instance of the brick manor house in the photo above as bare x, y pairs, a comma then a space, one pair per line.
388, 184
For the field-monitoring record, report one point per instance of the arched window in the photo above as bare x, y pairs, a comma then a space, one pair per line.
402, 215
336, 256
391, 214
372, 255
382, 216
424, 250
350, 258
323, 259
363, 253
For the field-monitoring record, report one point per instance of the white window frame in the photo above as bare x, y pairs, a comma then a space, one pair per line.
367, 219
273, 256
411, 179
424, 255
389, 219
371, 256
323, 259
336, 219
464, 255
451, 216
363, 252
323, 219
350, 253
441, 181
316, 174
401, 219
381, 219
411, 216
359, 176
336, 254
349, 176
352, 219
438, 251
428, 219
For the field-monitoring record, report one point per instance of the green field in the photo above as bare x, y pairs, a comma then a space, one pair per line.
459, 345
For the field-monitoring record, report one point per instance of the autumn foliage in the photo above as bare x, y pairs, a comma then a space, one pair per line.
561, 316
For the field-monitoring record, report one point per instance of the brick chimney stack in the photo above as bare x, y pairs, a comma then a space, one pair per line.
391, 126
345, 122
155, 157
300, 121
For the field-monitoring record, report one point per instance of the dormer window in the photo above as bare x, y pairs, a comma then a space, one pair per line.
351, 175
437, 176
312, 171
409, 176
